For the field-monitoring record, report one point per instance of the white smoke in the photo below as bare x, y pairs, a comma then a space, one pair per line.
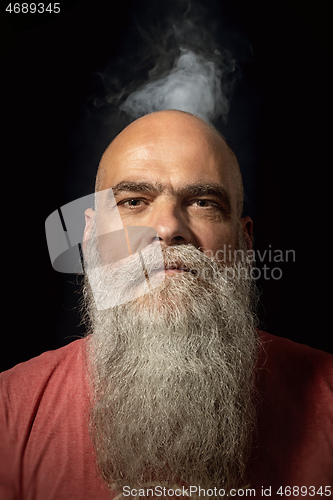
194, 84
181, 59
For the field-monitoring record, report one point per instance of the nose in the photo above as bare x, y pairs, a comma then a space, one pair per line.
171, 225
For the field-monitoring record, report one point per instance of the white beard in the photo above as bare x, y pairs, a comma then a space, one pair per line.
173, 375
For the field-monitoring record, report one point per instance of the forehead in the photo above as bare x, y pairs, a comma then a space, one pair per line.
170, 155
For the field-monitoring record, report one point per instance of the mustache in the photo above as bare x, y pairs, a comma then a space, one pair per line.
153, 258
144, 272
185, 257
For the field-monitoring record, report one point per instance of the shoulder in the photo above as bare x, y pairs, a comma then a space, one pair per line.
295, 412
24, 385
41, 366
294, 439
45, 443
295, 368
284, 351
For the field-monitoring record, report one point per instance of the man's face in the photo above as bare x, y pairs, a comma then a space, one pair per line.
172, 174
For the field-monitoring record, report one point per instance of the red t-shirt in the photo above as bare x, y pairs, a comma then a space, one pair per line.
46, 452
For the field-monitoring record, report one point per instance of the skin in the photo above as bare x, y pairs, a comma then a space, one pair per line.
171, 152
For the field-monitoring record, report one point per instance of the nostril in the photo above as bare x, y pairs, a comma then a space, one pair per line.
178, 240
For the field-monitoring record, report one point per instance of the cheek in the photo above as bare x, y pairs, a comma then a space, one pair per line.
111, 238
216, 239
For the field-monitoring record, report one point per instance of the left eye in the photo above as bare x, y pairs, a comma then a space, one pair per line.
204, 203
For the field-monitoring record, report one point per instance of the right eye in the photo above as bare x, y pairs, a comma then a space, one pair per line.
131, 203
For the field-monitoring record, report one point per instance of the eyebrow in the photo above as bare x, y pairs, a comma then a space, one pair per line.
204, 189
133, 186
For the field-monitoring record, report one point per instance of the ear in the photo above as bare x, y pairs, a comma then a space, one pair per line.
247, 230
89, 215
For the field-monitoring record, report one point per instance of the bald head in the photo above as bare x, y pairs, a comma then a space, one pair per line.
171, 129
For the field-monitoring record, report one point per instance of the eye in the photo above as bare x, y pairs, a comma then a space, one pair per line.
131, 202
205, 203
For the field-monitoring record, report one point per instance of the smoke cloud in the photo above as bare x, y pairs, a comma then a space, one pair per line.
177, 62
193, 84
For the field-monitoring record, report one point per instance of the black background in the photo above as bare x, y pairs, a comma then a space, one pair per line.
52, 140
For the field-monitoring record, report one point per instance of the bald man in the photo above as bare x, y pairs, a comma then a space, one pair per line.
174, 391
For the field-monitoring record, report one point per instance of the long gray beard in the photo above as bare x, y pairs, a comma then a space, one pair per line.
173, 375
